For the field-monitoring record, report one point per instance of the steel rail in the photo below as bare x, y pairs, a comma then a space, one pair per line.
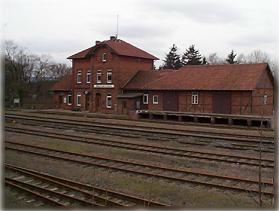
36, 194
144, 147
51, 192
144, 129
83, 162
85, 188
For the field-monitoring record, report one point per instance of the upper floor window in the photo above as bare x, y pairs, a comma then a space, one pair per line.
104, 57
88, 77
109, 101
195, 98
99, 77
145, 99
78, 99
79, 77
109, 77
155, 99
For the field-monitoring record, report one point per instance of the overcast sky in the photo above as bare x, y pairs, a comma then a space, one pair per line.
63, 27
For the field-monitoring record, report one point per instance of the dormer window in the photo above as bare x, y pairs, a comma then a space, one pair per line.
104, 57
79, 77
99, 77
109, 77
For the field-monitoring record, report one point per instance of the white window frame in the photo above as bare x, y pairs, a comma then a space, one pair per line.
143, 97
107, 100
69, 103
265, 99
154, 97
195, 98
78, 95
99, 73
79, 77
88, 74
104, 57
109, 73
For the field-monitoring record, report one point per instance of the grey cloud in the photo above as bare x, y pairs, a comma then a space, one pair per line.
200, 11
253, 40
44, 44
133, 29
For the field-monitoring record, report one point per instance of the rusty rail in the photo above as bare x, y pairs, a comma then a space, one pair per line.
147, 172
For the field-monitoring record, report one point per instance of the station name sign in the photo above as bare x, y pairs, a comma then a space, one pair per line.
103, 86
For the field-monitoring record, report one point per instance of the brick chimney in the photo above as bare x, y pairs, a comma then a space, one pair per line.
112, 37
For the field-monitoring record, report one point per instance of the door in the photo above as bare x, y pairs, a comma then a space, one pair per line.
87, 101
124, 107
221, 102
60, 101
170, 101
98, 102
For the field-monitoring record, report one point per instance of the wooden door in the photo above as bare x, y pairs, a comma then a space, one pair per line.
60, 101
221, 102
87, 101
170, 101
98, 102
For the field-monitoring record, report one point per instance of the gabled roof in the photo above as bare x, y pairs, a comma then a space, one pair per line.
119, 47
200, 77
65, 84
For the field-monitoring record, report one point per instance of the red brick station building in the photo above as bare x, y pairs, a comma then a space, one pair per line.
118, 78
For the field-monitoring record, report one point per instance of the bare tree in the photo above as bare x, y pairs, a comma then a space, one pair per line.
258, 56
214, 59
58, 70
241, 59
25, 72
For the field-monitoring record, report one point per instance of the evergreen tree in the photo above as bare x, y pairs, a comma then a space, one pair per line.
230, 58
172, 60
191, 56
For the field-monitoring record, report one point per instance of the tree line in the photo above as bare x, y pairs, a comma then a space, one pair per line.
28, 75
192, 56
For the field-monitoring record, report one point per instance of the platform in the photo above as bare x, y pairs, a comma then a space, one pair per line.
218, 119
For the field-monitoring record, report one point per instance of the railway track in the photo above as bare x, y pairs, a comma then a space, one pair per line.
142, 129
67, 193
129, 145
184, 175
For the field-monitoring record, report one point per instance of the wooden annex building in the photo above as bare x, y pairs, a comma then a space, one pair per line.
118, 78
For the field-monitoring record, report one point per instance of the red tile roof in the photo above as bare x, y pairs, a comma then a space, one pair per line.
65, 84
118, 46
200, 77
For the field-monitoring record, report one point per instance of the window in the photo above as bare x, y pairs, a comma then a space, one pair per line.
88, 77
145, 99
265, 99
155, 99
99, 77
79, 77
104, 57
195, 98
69, 100
64, 100
78, 99
109, 77
109, 101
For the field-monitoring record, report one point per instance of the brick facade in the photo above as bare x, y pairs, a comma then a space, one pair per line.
233, 89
